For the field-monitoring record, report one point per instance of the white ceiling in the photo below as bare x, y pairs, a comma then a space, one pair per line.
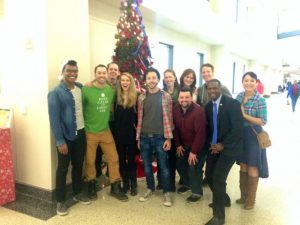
190, 16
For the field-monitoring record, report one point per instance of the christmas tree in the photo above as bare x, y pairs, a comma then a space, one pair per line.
132, 52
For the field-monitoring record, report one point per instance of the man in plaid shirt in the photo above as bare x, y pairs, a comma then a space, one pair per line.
154, 133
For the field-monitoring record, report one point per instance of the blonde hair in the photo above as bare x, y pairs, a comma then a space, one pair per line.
131, 94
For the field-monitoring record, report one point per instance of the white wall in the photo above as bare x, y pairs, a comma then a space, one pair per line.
25, 89
68, 37
39, 36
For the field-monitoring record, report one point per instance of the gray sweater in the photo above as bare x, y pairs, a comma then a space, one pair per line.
202, 96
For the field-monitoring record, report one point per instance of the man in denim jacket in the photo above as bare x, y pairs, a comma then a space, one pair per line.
67, 124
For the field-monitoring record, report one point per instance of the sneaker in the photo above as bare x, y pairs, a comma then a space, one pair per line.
183, 189
146, 196
82, 199
167, 199
193, 198
61, 209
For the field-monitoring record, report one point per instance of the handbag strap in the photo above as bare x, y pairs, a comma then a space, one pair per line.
254, 129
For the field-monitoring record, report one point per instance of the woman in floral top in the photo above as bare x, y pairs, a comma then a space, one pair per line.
254, 111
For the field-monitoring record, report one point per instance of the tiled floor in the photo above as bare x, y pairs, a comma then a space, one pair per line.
277, 197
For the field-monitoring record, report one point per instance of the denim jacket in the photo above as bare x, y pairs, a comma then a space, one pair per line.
61, 108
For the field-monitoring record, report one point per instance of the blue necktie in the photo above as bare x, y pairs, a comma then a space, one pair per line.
215, 123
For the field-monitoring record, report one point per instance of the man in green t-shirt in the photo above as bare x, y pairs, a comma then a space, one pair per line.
97, 103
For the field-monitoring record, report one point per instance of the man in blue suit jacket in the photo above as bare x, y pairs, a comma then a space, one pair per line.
224, 147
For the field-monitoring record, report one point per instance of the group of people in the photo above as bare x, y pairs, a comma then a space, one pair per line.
185, 128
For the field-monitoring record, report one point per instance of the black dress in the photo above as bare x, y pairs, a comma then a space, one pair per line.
125, 121
125, 138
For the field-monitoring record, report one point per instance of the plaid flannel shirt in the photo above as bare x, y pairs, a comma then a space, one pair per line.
255, 106
166, 113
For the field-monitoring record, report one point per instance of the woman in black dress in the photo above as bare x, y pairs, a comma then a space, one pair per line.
125, 132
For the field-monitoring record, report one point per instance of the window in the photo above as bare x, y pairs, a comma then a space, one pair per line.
288, 23
201, 60
233, 77
237, 11
163, 59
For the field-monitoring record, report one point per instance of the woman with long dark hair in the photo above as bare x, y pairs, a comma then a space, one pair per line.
254, 109
188, 78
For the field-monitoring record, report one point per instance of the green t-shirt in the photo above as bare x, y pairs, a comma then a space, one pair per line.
97, 104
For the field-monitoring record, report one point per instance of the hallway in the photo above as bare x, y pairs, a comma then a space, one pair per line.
276, 202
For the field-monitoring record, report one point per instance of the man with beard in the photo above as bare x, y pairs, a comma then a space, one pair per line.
97, 102
112, 75
154, 133
190, 136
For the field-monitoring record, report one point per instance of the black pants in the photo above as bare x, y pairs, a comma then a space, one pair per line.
191, 175
217, 169
98, 161
127, 161
76, 153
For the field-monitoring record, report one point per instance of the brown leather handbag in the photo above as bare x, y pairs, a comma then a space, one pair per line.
263, 138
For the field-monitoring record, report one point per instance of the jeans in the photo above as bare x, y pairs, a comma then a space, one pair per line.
76, 152
150, 144
191, 175
294, 102
172, 164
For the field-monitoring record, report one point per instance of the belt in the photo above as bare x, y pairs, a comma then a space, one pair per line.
150, 134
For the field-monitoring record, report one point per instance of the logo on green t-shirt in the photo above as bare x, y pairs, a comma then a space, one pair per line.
102, 103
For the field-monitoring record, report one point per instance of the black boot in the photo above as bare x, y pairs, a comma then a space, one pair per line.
116, 191
133, 184
125, 178
92, 193
125, 186
133, 187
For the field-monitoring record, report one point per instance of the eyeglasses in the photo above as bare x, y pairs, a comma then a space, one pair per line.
71, 71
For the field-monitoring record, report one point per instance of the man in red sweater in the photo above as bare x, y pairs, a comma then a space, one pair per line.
190, 136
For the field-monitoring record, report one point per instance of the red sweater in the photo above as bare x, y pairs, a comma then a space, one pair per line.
190, 127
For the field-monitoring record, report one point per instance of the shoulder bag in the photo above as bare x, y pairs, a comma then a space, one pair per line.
263, 138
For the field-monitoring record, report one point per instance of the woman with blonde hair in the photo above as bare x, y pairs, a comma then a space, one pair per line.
125, 120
